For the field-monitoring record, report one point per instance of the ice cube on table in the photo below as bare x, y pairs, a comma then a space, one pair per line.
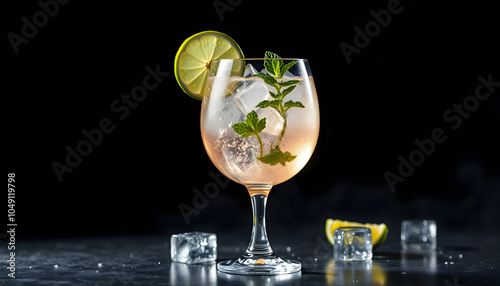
352, 243
250, 93
193, 247
418, 234
249, 71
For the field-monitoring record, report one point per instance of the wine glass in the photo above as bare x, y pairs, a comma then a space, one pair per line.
260, 125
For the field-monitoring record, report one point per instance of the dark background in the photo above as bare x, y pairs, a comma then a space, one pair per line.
393, 92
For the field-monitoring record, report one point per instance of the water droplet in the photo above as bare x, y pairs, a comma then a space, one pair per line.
451, 262
130, 255
159, 262
99, 265
30, 267
56, 266
293, 254
288, 249
460, 256
450, 257
404, 272
446, 262
315, 259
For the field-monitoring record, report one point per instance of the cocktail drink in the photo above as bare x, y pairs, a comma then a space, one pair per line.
260, 125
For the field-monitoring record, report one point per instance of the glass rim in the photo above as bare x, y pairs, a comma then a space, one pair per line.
259, 59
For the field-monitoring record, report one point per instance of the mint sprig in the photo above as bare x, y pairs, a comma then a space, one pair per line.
276, 68
253, 126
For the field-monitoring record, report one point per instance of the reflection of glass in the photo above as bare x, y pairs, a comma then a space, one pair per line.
285, 280
259, 133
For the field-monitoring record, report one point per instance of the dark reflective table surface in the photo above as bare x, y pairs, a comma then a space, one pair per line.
461, 259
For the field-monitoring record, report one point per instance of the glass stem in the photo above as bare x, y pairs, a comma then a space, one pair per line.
259, 244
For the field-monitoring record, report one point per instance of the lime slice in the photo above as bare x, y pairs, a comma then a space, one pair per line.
379, 231
194, 58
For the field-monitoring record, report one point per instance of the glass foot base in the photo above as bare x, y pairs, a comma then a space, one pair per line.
260, 266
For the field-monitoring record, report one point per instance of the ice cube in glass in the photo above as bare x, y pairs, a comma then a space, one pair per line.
352, 243
249, 71
250, 93
274, 121
418, 234
240, 154
193, 247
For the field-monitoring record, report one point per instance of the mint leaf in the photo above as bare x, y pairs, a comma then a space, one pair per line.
269, 79
251, 126
243, 129
288, 83
285, 68
287, 91
261, 125
276, 156
273, 63
269, 103
289, 104
274, 95
252, 118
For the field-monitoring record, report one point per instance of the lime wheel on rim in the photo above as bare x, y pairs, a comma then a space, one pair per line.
195, 56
